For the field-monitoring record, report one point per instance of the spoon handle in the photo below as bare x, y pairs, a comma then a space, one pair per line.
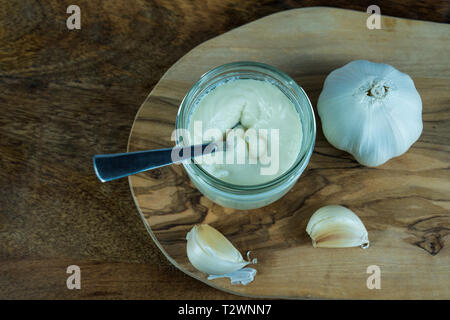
118, 165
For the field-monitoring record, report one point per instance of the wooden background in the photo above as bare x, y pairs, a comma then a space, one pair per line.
66, 95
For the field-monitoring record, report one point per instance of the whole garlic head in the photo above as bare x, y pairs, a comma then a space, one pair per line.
371, 110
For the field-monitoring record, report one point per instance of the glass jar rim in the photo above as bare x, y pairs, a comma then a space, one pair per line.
302, 158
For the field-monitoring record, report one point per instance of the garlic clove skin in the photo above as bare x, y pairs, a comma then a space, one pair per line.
337, 227
209, 251
371, 110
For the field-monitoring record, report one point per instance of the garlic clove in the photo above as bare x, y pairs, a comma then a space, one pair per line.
209, 251
337, 227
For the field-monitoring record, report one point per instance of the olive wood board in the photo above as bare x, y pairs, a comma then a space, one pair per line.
404, 203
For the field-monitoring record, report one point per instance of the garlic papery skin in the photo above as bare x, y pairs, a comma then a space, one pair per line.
337, 227
209, 251
371, 110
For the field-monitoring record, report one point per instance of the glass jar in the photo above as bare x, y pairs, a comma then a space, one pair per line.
248, 196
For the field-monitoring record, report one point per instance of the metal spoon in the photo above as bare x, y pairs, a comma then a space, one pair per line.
118, 165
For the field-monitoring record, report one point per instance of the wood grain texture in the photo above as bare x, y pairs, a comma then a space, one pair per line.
404, 203
66, 95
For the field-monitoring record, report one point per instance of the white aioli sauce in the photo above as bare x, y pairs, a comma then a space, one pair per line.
251, 105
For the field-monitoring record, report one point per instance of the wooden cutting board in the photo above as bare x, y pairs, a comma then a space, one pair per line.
404, 203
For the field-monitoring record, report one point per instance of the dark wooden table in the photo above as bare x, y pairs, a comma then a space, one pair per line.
67, 95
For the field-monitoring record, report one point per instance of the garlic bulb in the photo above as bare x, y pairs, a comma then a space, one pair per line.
337, 227
371, 110
210, 252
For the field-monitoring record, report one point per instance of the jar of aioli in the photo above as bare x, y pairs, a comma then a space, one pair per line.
248, 196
